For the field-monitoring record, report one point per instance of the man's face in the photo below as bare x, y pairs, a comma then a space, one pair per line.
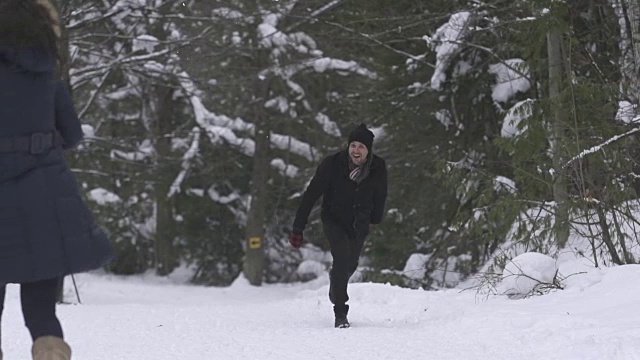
358, 152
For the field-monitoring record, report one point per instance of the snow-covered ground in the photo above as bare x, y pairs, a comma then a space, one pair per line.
137, 318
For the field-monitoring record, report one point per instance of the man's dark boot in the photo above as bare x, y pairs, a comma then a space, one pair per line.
341, 316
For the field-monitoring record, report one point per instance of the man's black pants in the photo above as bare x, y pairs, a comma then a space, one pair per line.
38, 301
345, 250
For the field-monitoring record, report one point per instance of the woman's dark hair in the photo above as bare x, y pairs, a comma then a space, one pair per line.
26, 23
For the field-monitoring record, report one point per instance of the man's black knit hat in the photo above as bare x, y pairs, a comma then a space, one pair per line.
363, 135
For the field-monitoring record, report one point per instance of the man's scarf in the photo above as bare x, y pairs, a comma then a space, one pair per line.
359, 173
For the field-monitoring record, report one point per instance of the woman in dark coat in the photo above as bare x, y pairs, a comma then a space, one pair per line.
353, 186
46, 230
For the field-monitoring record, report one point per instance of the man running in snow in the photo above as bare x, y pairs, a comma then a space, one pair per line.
353, 186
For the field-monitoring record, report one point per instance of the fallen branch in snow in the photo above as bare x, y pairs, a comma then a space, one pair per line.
487, 284
540, 288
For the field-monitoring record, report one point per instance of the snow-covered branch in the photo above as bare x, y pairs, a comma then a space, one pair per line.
445, 44
323, 9
80, 76
601, 146
320, 65
95, 16
221, 127
416, 58
186, 162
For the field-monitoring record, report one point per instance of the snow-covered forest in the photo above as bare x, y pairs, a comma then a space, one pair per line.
507, 126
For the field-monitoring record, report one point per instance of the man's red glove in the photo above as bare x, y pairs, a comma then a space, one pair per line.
296, 240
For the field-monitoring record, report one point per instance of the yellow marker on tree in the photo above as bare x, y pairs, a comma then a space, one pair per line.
255, 242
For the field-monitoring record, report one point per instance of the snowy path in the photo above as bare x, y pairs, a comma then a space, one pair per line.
140, 319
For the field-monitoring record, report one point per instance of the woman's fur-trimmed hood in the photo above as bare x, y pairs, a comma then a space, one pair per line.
53, 13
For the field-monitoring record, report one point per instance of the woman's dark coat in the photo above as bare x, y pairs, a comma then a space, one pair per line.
351, 205
46, 230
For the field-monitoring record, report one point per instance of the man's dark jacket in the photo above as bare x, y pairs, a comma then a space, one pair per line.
351, 205
46, 230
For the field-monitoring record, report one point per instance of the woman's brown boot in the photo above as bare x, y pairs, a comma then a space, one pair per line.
50, 348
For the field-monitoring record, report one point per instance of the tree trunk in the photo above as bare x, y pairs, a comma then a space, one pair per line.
632, 66
606, 235
634, 15
556, 76
628, 14
254, 255
165, 252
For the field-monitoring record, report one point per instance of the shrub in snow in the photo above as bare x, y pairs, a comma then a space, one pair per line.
310, 269
415, 267
529, 274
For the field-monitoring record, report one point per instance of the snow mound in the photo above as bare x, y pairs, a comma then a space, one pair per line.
527, 274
